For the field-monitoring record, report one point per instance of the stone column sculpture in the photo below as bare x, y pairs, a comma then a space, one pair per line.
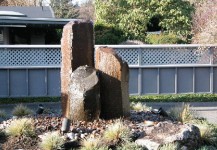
114, 77
84, 94
77, 49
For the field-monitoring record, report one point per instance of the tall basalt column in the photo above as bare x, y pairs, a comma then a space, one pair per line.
77, 49
114, 77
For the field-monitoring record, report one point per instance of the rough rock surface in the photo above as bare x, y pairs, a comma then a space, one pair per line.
114, 77
84, 94
77, 48
167, 132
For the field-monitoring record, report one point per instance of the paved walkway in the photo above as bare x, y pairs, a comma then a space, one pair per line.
206, 110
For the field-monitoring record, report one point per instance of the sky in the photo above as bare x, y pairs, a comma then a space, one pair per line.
46, 2
79, 1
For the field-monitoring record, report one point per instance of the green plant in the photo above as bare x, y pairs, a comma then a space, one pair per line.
182, 114
163, 39
28, 100
170, 146
21, 110
139, 106
51, 141
3, 114
117, 132
175, 98
133, 17
19, 127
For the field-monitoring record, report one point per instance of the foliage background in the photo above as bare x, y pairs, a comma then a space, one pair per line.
134, 17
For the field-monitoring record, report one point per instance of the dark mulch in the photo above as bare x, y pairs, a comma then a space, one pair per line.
23, 142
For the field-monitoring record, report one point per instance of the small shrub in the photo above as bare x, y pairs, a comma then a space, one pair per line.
3, 114
21, 127
139, 107
182, 114
51, 141
21, 110
163, 39
175, 98
117, 132
170, 146
92, 144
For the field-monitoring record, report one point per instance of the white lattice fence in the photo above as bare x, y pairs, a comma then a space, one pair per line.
34, 70
162, 55
135, 55
29, 56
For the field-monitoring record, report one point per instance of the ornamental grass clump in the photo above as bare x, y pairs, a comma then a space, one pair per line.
51, 141
182, 114
21, 127
21, 110
170, 146
139, 106
91, 143
3, 114
208, 132
116, 132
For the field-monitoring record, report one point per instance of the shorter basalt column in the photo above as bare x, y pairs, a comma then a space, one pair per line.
84, 94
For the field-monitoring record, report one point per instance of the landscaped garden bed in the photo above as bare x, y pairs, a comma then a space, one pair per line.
43, 131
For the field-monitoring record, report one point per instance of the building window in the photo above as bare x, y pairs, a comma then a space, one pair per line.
1, 36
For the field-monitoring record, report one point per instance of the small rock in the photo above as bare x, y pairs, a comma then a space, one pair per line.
71, 136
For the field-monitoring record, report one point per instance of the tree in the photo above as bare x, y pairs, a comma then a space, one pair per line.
133, 17
20, 2
86, 10
205, 22
64, 9
108, 34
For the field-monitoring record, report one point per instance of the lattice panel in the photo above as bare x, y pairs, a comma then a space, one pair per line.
131, 56
169, 56
30, 56
214, 50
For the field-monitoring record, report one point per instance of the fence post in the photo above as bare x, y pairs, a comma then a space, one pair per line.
140, 71
211, 52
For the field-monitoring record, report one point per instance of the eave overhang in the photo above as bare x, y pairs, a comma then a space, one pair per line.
33, 22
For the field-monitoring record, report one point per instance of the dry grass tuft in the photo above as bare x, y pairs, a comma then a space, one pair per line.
182, 114
21, 127
139, 106
21, 110
117, 132
208, 132
91, 143
3, 114
51, 141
